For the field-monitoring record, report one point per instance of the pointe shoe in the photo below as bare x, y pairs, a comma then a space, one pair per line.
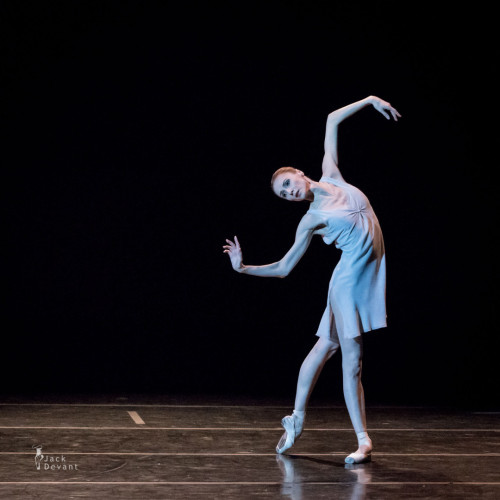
359, 458
292, 432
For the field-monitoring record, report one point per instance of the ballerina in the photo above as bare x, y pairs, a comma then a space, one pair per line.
341, 214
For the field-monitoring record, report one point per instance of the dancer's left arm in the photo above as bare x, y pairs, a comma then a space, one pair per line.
283, 267
330, 164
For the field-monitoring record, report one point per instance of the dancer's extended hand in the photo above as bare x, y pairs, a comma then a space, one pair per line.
383, 106
235, 254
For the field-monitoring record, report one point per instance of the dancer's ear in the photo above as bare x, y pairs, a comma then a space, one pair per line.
300, 172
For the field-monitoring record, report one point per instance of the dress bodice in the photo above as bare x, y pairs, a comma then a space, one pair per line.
345, 213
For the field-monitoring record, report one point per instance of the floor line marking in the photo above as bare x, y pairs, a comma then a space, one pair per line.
248, 454
219, 406
250, 429
136, 418
253, 483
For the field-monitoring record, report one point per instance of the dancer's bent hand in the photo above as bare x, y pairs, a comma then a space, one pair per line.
234, 251
383, 106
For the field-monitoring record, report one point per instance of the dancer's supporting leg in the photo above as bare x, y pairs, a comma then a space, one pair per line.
352, 355
322, 351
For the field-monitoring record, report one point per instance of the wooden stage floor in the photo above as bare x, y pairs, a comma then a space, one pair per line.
149, 447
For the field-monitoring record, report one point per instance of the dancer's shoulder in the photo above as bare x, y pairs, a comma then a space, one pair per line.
311, 220
337, 181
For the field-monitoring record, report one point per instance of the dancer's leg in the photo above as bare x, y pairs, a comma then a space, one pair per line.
352, 355
293, 424
311, 367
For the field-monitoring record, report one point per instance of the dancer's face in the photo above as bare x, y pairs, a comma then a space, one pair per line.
291, 186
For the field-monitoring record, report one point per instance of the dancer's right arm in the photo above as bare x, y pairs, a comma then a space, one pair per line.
283, 267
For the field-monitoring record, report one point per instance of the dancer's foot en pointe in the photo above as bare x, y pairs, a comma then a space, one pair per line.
293, 425
364, 453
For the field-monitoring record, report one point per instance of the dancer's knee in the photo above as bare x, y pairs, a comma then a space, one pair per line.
351, 365
326, 347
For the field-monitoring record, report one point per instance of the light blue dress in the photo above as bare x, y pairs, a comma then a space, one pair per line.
356, 294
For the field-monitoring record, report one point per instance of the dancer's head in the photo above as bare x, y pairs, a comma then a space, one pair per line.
291, 184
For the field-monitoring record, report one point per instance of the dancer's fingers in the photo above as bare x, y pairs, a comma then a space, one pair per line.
383, 112
395, 114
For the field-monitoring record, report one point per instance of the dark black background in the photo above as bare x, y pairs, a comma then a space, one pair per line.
137, 136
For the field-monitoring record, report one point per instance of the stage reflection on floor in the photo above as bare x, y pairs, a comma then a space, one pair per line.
145, 446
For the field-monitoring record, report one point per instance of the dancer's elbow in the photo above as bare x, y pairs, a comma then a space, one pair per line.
334, 117
283, 271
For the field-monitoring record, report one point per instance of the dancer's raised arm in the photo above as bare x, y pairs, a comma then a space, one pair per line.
283, 267
331, 160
